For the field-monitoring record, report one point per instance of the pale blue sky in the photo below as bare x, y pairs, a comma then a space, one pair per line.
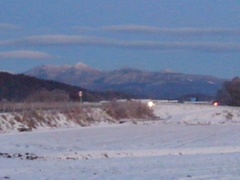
188, 36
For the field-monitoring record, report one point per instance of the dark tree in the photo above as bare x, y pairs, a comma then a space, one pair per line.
230, 93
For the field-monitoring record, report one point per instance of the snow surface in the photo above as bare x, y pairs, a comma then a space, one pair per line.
189, 142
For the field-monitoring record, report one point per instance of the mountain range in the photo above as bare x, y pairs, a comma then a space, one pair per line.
141, 84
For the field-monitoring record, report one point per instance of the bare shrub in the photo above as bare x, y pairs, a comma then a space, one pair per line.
128, 109
80, 115
18, 118
31, 116
28, 120
230, 93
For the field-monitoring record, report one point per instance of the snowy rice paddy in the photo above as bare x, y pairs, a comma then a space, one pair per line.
189, 142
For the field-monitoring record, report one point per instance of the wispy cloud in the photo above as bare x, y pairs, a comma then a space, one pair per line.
7, 26
203, 47
66, 40
57, 40
24, 54
171, 31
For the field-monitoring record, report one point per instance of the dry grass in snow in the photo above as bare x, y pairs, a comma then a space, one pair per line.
27, 118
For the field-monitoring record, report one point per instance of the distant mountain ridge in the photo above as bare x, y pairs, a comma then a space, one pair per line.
142, 84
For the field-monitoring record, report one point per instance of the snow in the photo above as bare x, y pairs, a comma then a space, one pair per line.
198, 114
189, 142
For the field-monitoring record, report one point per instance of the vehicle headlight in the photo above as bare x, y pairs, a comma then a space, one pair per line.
150, 104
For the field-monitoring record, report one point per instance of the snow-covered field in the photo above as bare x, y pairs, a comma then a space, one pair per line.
189, 142
194, 114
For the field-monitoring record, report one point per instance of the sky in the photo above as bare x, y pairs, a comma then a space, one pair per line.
186, 36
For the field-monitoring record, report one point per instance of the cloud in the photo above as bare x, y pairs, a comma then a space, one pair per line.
203, 47
171, 31
24, 54
7, 26
130, 29
57, 40
67, 40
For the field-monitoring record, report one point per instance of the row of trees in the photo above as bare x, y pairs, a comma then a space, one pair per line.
230, 93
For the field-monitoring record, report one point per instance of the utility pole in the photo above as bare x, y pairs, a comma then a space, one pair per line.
80, 95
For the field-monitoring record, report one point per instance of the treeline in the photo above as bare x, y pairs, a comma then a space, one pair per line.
230, 93
21, 88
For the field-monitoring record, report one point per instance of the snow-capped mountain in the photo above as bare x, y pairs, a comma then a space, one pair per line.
143, 84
